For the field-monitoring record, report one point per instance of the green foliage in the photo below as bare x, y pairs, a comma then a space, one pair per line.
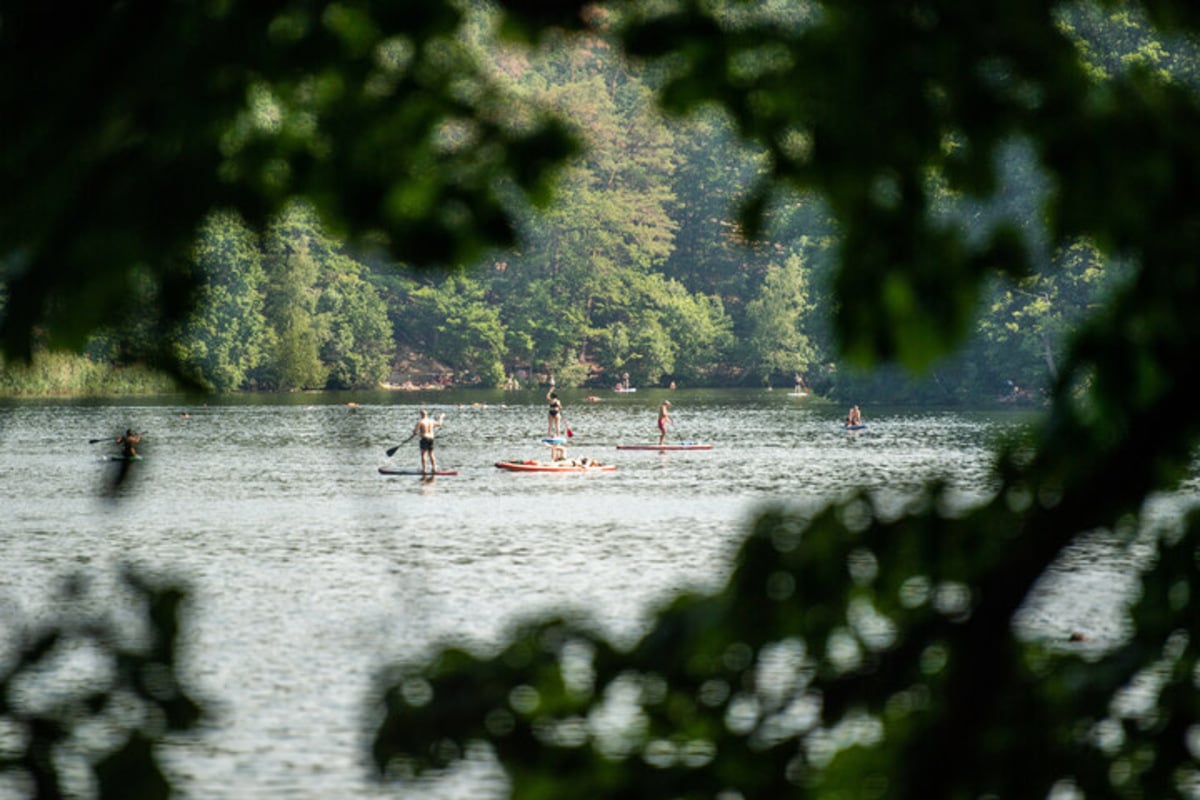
226, 338
146, 120
130, 691
776, 343
52, 373
456, 323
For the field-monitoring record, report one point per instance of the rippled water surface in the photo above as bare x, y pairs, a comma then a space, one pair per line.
310, 570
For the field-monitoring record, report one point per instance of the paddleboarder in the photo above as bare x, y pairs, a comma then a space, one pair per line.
664, 419
424, 429
129, 444
854, 417
554, 419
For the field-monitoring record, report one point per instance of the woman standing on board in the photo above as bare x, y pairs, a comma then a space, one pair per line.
555, 413
663, 420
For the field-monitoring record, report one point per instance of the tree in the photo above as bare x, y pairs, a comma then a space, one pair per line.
360, 340
294, 256
458, 326
227, 336
777, 343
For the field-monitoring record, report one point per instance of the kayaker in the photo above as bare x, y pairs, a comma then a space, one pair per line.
664, 418
129, 443
424, 431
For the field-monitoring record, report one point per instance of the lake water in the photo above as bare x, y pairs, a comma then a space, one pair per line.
309, 570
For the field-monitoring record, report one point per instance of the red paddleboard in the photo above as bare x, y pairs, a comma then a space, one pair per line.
679, 446
553, 466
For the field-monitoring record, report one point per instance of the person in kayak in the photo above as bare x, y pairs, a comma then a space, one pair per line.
424, 429
664, 418
554, 420
129, 443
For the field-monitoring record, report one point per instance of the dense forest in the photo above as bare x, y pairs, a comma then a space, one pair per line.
638, 267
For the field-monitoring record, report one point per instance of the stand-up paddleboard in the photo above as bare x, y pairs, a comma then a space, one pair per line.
122, 458
857, 427
554, 439
411, 471
622, 389
677, 446
553, 466
797, 394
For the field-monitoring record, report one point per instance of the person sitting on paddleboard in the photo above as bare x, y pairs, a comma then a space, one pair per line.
424, 429
128, 442
663, 419
555, 412
854, 417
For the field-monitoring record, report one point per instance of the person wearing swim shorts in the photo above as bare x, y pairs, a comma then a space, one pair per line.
664, 418
424, 431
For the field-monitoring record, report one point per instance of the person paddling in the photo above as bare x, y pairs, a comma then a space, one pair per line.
129, 444
424, 430
664, 419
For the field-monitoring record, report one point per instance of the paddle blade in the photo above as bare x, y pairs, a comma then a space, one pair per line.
391, 451
570, 433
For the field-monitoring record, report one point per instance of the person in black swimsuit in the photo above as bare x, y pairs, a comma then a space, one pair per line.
553, 424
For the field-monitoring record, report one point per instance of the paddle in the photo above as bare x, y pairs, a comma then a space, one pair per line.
391, 451
114, 438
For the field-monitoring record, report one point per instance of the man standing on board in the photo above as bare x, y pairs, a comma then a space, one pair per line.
424, 430
663, 420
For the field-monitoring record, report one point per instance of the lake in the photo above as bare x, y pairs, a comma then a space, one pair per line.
309, 570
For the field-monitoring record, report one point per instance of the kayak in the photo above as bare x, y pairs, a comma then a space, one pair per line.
411, 471
679, 446
553, 466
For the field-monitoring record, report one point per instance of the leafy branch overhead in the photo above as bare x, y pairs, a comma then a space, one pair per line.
139, 119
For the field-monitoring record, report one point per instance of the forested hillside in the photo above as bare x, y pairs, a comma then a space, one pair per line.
638, 266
